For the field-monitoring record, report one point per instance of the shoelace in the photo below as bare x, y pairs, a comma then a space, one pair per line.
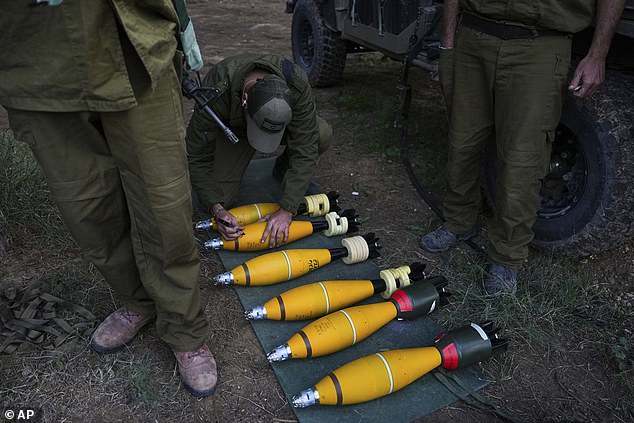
130, 315
194, 354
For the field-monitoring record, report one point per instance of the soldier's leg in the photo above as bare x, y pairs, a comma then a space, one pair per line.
445, 74
147, 143
325, 135
84, 183
470, 126
529, 89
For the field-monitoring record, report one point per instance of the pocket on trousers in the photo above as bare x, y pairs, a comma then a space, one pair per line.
21, 126
554, 102
552, 112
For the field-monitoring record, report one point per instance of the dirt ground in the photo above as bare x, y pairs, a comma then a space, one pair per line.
569, 377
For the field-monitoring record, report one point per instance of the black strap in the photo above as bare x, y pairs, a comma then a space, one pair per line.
38, 317
181, 11
180, 62
415, 45
505, 31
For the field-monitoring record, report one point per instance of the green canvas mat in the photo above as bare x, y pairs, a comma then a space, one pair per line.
415, 401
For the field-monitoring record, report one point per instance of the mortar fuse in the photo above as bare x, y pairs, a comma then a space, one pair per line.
256, 313
203, 225
225, 278
306, 398
281, 353
214, 244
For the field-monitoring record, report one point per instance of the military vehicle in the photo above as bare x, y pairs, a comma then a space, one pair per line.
587, 198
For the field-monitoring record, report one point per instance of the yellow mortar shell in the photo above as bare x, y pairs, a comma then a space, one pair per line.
376, 375
251, 213
317, 299
340, 330
279, 266
250, 241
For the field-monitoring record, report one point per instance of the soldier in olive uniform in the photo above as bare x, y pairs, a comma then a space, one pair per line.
267, 101
92, 88
504, 73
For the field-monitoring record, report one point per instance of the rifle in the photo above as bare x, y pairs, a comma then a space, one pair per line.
192, 90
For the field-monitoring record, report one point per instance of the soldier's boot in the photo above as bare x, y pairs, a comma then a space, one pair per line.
501, 279
118, 330
198, 371
442, 239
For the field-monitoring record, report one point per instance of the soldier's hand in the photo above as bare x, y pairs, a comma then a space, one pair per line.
227, 225
277, 226
588, 76
447, 42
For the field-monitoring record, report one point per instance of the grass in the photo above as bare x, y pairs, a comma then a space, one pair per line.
622, 358
350, 103
383, 139
553, 312
557, 325
549, 298
141, 377
377, 110
25, 204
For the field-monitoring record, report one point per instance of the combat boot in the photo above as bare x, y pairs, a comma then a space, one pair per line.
118, 330
198, 371
442, 239
502, 279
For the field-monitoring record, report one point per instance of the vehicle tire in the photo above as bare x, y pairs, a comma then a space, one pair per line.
587, 198
317, 49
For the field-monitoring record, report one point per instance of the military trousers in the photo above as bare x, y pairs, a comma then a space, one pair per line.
509, 92
121, 182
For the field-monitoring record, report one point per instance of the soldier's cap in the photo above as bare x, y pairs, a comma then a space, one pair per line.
268, 113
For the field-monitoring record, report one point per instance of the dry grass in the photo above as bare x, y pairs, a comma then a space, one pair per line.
141, 383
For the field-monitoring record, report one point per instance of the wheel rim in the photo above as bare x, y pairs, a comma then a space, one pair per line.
306, 43
564, 184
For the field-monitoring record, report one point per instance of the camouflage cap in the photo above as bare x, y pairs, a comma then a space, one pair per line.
268, 113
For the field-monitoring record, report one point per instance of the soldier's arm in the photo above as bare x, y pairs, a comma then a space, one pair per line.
303, 151
449, 23
590, 71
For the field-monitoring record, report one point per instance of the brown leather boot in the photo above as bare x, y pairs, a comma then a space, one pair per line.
117, 330
198, 371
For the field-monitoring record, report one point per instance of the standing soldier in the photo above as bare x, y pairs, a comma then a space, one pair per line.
267, 101
504, 73
92, 88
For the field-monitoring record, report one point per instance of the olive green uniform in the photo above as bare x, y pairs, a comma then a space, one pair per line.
510, 90
91, 87
217, 166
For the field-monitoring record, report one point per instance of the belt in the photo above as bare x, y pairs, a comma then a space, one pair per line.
506, 31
